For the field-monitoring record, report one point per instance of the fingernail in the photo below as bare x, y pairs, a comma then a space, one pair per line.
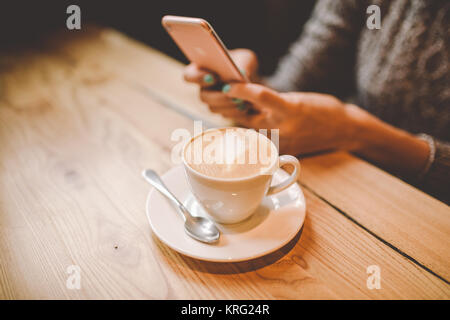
226, 88
242, 106
242, 72
208, 78
237, 100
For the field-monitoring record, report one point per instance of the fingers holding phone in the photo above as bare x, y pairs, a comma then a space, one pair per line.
204, 78
245, 59
214, 91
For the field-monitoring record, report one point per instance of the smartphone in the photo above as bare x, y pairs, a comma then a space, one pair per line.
201, 45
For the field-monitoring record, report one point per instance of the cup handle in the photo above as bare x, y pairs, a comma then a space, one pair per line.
286, 159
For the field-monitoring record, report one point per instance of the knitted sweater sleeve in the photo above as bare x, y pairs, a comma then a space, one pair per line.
323, 58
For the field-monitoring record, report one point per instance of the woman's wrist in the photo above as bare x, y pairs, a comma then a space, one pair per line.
432, 154
391, 148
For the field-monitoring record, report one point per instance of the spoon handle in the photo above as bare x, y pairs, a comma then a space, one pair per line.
153, 178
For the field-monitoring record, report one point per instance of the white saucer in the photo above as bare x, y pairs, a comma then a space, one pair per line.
277, 220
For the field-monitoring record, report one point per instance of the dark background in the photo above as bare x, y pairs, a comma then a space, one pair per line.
265, 26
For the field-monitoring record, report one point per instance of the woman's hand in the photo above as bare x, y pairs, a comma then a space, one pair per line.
311, 122
308, 122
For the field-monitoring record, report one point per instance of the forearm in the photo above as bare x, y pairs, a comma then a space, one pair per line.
391, 148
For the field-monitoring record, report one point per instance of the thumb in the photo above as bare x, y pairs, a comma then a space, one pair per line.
246, 60
192, 73
254, 93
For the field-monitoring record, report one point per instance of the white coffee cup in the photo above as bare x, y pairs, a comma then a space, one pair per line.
231, 200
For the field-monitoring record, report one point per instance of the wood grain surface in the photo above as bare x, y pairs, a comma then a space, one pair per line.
82, 115
416, 224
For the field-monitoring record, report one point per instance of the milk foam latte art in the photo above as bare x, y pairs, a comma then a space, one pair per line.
230, 153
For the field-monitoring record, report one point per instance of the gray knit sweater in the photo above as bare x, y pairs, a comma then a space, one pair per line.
400, 73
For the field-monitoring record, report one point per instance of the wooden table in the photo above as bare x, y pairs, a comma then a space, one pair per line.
80, 117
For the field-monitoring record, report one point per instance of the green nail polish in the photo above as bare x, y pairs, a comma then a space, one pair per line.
208, 78
242, 106
226, 88
237, 100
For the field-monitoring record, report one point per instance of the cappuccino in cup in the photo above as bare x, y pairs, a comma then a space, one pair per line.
230, 171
